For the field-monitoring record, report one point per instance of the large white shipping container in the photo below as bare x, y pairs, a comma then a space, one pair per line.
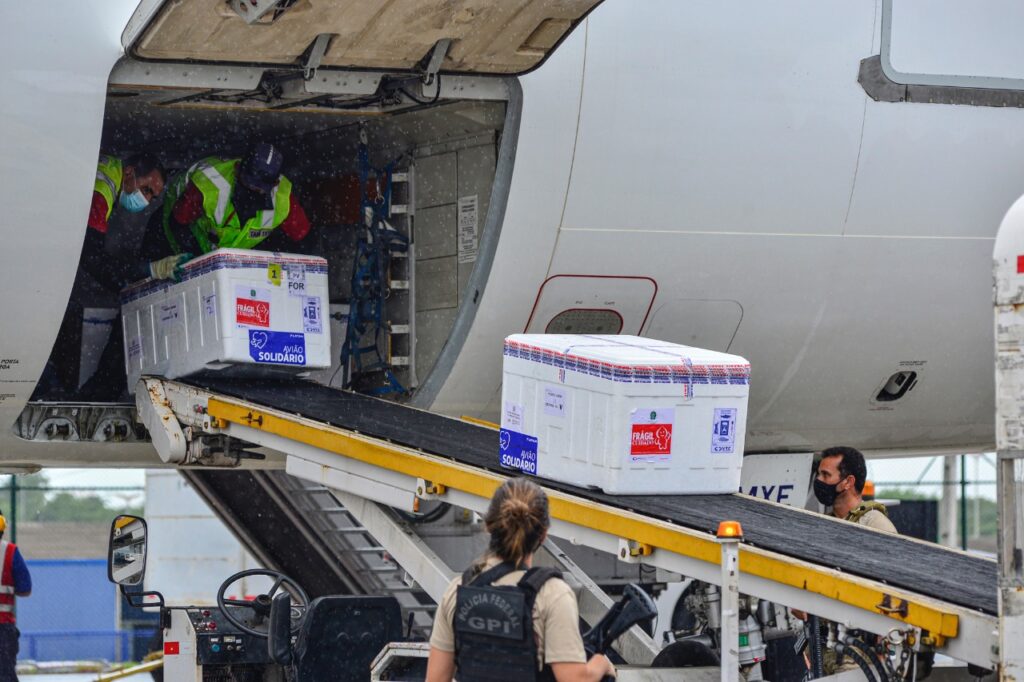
245, 309
624, 414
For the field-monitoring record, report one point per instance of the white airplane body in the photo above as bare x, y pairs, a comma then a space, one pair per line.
712, 174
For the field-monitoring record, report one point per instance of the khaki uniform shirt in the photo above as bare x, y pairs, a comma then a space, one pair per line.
556, 623
877, 520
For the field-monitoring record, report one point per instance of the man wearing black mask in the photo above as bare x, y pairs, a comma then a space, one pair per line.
839, 484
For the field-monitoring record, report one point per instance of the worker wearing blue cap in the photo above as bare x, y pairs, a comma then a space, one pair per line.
235, 203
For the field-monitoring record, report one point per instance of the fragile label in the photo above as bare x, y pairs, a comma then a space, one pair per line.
279, 348
252, 313
252, 307
554, 401
723, 431
518, 451
312, 322
512, 417
468, 211
650, 437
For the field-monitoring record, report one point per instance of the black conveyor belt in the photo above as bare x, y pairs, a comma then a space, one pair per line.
920, 567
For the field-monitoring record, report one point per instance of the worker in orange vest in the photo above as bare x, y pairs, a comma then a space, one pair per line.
15, 581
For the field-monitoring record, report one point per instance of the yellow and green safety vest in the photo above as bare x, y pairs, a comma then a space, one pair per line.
219, 226
109, 173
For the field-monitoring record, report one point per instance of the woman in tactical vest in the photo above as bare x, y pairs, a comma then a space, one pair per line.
502, 619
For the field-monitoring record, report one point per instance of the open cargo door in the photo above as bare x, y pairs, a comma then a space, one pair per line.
481, 37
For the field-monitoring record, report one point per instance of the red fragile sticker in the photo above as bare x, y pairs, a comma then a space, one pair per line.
651, 439
1020, 265
251, 312
171, 649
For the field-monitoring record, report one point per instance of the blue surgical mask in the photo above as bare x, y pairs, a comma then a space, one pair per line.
134, 202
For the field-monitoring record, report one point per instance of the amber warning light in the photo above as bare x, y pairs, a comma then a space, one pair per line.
730, 529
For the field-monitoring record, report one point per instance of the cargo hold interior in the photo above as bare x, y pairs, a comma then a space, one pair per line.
452, 147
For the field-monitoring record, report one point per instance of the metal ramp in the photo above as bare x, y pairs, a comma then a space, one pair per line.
372, 452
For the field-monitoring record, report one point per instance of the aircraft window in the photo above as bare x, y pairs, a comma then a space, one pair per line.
898, 385
585, 321
981, 43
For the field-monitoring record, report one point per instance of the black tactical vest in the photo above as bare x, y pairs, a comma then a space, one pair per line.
493, 626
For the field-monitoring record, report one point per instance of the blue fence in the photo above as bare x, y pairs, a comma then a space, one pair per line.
72, 614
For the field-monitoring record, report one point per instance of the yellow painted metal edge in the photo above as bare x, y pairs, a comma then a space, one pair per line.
479, 422
858, 592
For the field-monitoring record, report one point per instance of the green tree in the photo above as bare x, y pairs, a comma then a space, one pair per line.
903, 494
64, 506
31, 500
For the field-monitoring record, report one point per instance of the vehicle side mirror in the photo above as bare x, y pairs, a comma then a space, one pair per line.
126, 552
279, 629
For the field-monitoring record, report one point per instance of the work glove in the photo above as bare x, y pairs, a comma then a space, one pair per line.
170, 267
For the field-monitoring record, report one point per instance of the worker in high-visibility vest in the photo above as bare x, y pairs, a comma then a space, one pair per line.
235, 203
130, 186
15, 581
121, 187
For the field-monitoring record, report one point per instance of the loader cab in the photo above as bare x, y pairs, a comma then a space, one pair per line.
415, 107
277, 634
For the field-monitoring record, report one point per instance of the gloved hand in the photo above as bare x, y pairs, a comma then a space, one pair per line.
170, 267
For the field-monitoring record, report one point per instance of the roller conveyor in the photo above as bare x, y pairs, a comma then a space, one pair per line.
924, 568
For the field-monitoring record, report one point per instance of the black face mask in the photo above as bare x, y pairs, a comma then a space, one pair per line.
825, 493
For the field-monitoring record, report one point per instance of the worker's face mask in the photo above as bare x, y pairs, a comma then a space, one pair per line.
825, 492
134, 202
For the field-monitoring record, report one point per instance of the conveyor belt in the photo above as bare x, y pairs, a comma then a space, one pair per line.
920, 567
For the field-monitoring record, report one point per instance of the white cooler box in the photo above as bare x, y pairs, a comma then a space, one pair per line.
253, 311
623, 413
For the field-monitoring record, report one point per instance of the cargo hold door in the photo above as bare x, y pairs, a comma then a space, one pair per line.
479, 37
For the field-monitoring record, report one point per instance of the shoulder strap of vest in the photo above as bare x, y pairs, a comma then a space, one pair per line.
537, 576
858, 513
491, 575
7, 550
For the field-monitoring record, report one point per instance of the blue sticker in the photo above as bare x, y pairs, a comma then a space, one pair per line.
279, 348
723, 433
518, 451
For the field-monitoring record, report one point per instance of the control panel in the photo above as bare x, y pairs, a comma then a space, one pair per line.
218, 642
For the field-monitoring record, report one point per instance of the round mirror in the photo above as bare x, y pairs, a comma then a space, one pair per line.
126, 554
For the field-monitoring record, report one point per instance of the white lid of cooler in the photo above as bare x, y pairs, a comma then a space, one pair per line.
221, 257
628, 351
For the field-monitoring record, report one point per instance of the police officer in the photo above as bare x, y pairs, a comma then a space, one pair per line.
502, 619
234, 203
15, 581
839, 484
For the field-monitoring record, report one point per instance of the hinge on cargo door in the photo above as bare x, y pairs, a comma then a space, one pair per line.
315, 54
253, 11
430, 65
